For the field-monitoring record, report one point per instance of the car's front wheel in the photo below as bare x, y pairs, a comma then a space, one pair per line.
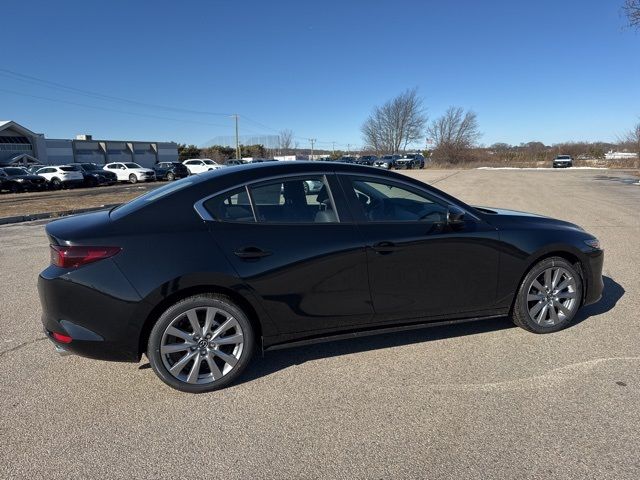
201, 344
549, 296
171, 177
133, 178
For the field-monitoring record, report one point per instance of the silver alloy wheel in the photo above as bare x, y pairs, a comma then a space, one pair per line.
552, 296
202, 345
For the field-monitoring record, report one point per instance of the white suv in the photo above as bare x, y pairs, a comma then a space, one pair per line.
64, 176
200, 165
130, 172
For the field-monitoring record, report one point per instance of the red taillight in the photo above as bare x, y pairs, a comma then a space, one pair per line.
59, 337
72, 257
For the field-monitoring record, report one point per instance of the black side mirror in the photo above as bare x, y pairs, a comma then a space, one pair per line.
455, 216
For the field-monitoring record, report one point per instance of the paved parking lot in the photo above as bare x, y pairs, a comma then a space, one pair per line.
481, 400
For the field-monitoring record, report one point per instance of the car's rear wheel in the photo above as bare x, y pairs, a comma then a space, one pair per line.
549, 296
56, 183
133, 178
171, 177
201, 344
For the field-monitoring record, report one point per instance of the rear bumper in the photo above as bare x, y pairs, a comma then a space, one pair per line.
103, 324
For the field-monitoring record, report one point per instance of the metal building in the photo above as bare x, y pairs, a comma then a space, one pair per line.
19, 145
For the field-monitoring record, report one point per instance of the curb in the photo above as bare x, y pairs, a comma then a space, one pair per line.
64, 213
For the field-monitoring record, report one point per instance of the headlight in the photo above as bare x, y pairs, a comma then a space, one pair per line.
19, 180
594, 243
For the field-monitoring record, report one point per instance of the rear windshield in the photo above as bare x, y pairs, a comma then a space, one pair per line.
15, 171
69, 169
149, 197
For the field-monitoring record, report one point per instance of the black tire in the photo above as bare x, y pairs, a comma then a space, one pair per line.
15, 188
133, 178
56, 183
520, 313
171, 177
199, 301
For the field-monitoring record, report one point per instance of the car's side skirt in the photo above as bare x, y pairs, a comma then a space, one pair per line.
371, 331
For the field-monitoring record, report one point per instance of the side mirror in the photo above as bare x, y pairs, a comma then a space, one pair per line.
455, 216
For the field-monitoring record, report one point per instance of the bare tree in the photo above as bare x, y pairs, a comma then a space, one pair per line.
285, 140
454, 134
632, 11
399, 122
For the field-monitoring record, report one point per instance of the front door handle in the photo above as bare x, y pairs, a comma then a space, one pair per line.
251, 253
385, 247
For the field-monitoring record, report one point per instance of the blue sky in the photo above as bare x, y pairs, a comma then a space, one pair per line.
544, 70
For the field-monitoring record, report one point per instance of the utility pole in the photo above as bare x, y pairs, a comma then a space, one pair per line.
348, 149
237, 137
312, 140
333, 149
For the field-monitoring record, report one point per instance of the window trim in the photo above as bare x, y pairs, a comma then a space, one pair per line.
207, 217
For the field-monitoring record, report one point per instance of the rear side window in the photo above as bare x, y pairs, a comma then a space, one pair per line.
232, 206
290, 200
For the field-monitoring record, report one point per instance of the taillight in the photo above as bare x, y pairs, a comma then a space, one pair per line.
59, 337
72, 257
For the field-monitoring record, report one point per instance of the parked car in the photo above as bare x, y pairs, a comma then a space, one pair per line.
200, 165
95, 175
130, 172
387, 161
367, 160
261, 266
347, 159
33, 168
234, 161
64, 176
16, 179
410, 160
563, 161
170, 171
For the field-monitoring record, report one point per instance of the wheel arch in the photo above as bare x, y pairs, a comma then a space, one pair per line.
174, 297
566, 254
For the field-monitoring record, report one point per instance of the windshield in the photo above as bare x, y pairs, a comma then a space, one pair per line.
132, 165
71, 168
209, 162
147, 198
90, 166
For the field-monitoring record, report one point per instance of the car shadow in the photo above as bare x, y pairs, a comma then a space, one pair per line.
611, 293
276, 360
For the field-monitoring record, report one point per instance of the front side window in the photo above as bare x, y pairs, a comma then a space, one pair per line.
380, 201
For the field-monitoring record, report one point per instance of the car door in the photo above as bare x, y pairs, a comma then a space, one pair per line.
303, 258
419, 264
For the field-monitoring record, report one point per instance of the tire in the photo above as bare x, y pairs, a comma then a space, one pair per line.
171, 177
56, 183
230, 359
133, 178
542, 310
15, 188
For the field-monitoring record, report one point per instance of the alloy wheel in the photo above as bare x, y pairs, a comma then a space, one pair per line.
552, 297
202, 345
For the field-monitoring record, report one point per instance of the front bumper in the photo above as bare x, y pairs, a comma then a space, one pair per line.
562, 164
594, 284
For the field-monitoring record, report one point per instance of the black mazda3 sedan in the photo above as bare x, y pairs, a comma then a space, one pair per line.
204, 271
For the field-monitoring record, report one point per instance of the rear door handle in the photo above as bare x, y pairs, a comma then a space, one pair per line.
385, 247
251, 253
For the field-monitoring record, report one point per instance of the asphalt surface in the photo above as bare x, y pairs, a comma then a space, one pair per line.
482, 400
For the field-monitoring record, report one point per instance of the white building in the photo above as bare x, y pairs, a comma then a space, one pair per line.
19, 145
611, 155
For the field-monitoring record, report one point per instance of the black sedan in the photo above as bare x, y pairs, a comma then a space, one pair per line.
170, 171
17, 179
254, 263
95, 175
